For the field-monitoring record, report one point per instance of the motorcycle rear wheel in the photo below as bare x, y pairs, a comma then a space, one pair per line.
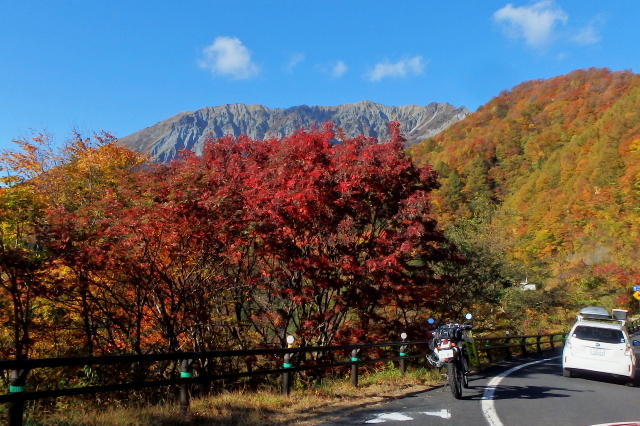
454, 376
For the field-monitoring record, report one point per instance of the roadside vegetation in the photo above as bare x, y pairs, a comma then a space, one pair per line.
307, 405
105, 253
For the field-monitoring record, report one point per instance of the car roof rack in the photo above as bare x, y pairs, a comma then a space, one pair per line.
595, 313
580, 318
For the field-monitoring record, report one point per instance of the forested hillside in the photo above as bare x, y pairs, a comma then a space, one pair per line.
551, 170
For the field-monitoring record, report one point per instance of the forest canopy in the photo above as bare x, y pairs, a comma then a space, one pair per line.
104, 252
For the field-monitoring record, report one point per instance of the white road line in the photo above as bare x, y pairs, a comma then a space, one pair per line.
444, 413
381, 418
488, 407
401, 417
620, 424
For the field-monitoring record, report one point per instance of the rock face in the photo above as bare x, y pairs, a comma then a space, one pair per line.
190, 129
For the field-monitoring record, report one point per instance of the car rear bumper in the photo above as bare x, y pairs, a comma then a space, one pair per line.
617, 367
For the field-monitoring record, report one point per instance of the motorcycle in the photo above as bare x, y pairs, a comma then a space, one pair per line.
448, 345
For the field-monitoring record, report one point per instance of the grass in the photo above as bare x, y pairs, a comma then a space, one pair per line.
305, 406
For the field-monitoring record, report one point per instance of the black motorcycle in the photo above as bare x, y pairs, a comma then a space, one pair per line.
449, 347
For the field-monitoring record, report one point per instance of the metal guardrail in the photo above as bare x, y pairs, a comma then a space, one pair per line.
17, 395
547, 341
633, 325
504, 345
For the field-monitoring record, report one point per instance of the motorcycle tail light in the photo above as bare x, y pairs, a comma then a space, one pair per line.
445, 343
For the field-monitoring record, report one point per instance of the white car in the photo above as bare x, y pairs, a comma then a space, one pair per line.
598, 342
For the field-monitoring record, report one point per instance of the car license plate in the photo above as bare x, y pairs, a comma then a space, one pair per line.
598, 352
444, 354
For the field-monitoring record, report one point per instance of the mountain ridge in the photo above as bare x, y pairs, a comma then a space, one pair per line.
189, 129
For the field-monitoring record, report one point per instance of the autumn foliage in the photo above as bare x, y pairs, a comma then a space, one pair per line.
104, 252
555, 163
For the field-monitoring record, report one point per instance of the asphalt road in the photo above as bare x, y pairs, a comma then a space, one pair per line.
528, 392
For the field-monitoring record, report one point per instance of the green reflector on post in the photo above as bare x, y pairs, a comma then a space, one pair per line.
286, 365
353, 359
14, 389
185, 374
403, 354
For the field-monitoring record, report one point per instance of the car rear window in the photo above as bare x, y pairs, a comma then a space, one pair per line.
605, 335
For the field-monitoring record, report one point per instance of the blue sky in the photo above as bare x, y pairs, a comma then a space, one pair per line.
121, 66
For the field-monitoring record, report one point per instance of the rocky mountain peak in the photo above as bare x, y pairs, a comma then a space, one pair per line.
190, 129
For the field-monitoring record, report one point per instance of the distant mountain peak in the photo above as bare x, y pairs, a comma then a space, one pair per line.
191, 128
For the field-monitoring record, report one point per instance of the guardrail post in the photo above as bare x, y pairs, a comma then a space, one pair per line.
488, 348
523, 345
286, 376
507, 350
16, 386
185, 373
354, 367
551, 343
538, 347
403, 361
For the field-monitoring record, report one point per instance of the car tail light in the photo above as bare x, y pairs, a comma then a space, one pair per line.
567, 343
628, 351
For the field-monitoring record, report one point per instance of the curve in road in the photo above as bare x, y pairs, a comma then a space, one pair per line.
488, 407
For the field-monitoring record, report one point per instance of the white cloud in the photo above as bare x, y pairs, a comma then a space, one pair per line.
587, 35
412, 66
295, 59
339, 68
533, 23
227, 56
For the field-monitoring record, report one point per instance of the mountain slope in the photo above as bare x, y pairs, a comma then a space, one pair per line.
190, 129
557, 161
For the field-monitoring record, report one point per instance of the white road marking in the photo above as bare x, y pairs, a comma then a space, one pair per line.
400, 417
620, 424
488, 407
444, 413
389, 416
